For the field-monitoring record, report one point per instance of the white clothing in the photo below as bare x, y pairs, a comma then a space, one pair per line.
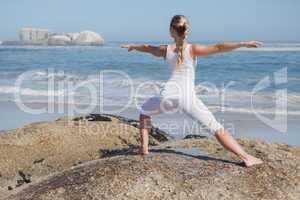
179, 94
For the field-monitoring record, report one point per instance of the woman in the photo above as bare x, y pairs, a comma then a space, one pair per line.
179, 93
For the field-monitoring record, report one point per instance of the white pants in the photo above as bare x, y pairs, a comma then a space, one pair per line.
180, 95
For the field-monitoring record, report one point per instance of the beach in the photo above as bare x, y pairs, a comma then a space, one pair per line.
69, 125
219, 82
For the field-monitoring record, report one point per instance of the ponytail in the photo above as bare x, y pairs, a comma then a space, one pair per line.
179, 46
181, 25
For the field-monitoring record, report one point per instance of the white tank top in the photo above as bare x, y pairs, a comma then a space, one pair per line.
184, 70
182, 77
188, 61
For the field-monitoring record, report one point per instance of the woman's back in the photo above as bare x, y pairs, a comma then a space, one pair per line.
184, 70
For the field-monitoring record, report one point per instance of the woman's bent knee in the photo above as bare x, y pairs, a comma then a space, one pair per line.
219, 132
144, 117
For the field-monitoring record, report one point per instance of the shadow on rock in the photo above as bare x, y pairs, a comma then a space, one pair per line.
134, 150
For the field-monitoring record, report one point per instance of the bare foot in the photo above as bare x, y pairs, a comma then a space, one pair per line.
143, 152
251, 160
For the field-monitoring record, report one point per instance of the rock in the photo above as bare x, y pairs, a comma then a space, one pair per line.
59, 40
156, 133
96, 157
39, 161
24, 179
72, 36
43, 148
195, 136
94, 117
168, 174
88, 38
20, 183
37, 36
34, 36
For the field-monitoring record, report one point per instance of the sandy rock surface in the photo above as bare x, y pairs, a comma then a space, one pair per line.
186, 169
41, 149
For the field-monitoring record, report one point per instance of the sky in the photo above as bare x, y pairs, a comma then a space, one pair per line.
141, 20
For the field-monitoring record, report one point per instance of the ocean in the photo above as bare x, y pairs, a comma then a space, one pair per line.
264, 81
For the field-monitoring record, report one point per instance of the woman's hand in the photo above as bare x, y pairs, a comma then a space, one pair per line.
251, 44
129, 47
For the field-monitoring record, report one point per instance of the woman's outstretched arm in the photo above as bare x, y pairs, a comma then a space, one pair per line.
159, 51
203, 50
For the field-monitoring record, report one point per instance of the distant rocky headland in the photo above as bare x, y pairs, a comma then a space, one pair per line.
96, 157
43, 37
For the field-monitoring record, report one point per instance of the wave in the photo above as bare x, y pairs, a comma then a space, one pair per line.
212, 108
51, 76
45, 75
29, 91
157, 85
261, 111
147, 87
246, 97
115, 91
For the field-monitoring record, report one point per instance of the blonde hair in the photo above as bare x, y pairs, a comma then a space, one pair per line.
181, 25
